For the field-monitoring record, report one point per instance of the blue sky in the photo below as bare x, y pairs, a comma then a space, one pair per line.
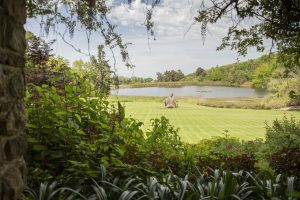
172, 49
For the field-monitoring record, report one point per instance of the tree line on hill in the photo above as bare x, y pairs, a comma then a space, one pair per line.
257, 72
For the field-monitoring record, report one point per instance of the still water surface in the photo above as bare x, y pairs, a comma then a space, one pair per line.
199, 91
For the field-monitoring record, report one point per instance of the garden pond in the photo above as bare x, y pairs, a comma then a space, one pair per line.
197, 91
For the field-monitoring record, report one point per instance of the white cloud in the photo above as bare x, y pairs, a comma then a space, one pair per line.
171, 17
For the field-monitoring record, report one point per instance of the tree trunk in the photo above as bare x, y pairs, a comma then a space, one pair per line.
12, 90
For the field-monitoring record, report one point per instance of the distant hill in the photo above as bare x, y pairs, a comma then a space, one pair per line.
254, 72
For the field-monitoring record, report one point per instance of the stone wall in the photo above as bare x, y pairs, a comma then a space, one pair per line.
12, 89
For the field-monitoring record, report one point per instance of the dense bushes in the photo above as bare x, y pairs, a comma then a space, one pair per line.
41, 65
284, 133
283, 146
284, 92
286, 161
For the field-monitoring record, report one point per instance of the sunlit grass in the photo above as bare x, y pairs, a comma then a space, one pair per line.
198, 122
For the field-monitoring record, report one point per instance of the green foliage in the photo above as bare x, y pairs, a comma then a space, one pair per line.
200, 73
281, 148
284, 92
215, 184
240, 73
88, 16
73, 130
286, 161
163, 144
216, 74
163, 134
170, 76
38, 51
273, 19
99, 72
46, 191
133, 80
41, 66
226, 153
263, 74
218, 145
255, 73
282, 134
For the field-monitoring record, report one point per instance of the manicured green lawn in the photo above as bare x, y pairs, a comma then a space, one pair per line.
198, 122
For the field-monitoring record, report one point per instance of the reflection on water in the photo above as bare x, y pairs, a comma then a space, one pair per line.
200, 91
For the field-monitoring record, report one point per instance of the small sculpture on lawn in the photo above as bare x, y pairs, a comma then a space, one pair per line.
170, 102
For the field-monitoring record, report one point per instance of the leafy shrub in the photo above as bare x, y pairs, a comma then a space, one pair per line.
226, 153
239, 162
286, 161
283, 92
74, 130
283, 133
160, 149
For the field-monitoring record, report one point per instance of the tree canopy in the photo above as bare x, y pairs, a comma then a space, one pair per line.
170, 76
89, 16
277, 20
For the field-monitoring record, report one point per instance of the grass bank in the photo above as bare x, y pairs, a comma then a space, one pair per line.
244, 103
197, 122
